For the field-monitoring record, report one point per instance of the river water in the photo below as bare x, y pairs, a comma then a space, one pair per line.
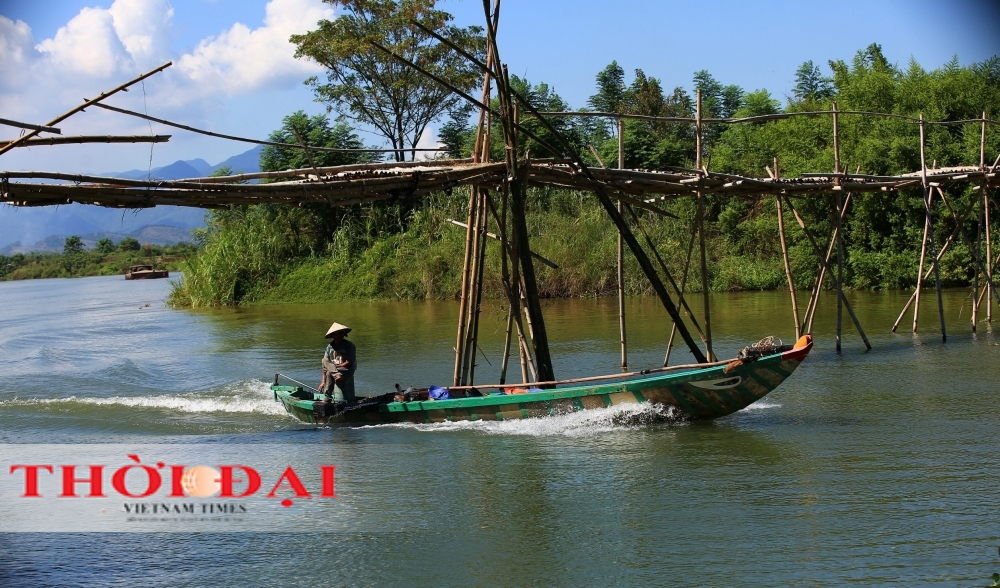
863, 467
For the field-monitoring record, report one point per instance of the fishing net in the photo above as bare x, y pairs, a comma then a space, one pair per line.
755, 351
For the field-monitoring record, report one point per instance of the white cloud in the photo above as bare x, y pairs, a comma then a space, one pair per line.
16, 51
208, 87
87, 45
242, 60
144, 27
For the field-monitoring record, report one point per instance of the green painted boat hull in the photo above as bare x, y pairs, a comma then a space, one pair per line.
700, 394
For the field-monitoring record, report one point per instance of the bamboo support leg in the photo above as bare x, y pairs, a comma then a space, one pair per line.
840, 272
477, 308
819, 254
817, 288
469, 355
704, 278
506, 346
788, 268
920, 274
464, 298
621, 257
930, 231
989, 252
960, 225
840, 233
944, 248
680, 303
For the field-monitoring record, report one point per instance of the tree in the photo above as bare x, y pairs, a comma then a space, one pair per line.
811, 84
455, 134
73, 245
129, 244
717, 101
105, 246
368, 86
315, 132
610, 89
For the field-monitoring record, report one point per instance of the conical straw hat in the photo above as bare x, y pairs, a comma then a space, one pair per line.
335, 327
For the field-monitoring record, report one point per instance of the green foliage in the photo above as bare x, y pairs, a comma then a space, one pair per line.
810, 84
315, 132
372, 88
129, 244
611, 89
457, 133
73, 245
104, 246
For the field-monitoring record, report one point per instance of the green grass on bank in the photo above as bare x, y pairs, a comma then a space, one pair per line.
247, 261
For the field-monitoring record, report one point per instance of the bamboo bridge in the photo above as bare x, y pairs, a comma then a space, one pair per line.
497, 197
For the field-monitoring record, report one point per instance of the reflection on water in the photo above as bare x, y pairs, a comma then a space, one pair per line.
863, 467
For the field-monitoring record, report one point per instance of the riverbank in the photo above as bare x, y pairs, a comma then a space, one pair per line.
248, 258
33, 266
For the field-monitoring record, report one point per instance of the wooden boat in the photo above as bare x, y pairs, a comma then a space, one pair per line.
700, 391
145, 272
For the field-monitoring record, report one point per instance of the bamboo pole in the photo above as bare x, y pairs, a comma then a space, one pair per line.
920, 270
989, 286
930, 229
514, 287
840, 232
85, 104
680, 302
470, 230
960, 225
978, 260
989, 252
468, 347
518, 176
621, 256
253, 141
944, 248
826, 263
501, 221
979, 229
477, 307
78, 139
464, 296
506, 342
476, 273
701, 235
493, 236
23, 125
817, 288
982, 145
784, 256
305, 149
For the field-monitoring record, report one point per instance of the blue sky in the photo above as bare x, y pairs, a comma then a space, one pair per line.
234, 71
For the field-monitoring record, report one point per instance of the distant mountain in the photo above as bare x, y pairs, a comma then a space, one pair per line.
175, 171
35, 225
201, 165
245, 163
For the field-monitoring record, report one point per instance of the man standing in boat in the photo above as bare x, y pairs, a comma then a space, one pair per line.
339, 364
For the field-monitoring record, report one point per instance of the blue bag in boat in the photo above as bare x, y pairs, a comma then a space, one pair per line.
438, 393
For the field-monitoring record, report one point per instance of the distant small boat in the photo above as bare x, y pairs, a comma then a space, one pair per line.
145, 272
701, 391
